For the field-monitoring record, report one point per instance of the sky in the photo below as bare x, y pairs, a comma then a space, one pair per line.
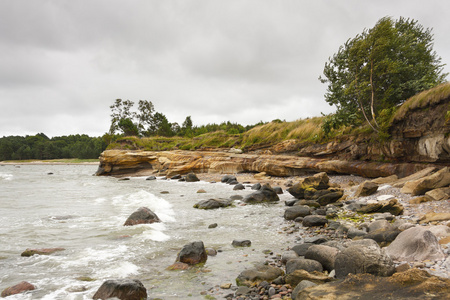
63, 63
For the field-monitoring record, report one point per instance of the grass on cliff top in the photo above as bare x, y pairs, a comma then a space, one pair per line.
426, 98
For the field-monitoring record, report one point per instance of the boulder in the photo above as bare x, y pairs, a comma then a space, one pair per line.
355, 232
366, 188
392, 206
301, 286
436, 180
213, 203
303, 264
193, 253
418, 175
191, 177
325, 255
301, 249
385, 180
142, 216
412, 284
287, 256
18, 288
258, 274
439, 194
380, 224
238, 187
314, 220
319, 181
310, 203
42, 251
383, 236
360, 258
415, 244
296, 211
278, 190
264, 194
440, 231
256, 186
124, 289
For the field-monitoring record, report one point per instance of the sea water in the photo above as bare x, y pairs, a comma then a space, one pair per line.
65, 206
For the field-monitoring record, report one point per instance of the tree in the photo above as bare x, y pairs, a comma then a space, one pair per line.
162, 126
145, 117
120, 110
381, 68
186, 127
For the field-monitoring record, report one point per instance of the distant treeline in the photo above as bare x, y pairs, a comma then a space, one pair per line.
39, 146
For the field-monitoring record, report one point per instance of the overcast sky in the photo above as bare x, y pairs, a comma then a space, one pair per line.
63, 63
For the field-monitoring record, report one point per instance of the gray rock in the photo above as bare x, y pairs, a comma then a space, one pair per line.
314, 220
380, 224
256, 186
191, 177
366, 188
288, 255
296, 211
303, 264
193, 253
415, 244
213, 203
317, 239
360, 258
239, 186
258, 274
355, 232
301, 286
278, 190
301, 249
325, 255
228, 178
151, 178
265, 194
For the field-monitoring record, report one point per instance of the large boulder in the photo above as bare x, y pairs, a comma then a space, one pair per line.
325, 255
142, 216
439, 194
363, 258
213, 203
415, 244
264, 194
411, 284
319, 181
124, 289
296, 211
258, 274
436, 180
303, 264
21, 287
193, 253
366, 188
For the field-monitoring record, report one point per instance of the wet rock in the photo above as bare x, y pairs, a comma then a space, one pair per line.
365, 257
314, 220
366, 188
124, 289
411, 284
299, 275
241, 243
213, 203
214, 225
228, 178
278, 190
142, 216
151, 178
258, 274
191, 177
303, 264
265, 194
238, 187
193, 253
236, 197
18, 288
293, 212
178, 266
319, 181
325, 255
42, 251
415, 244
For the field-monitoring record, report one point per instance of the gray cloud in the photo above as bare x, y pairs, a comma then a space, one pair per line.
64, 62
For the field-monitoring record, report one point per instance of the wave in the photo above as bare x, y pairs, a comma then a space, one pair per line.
6, 176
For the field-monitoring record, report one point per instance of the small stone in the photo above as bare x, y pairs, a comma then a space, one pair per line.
225, 286
201, 191
214, 225
241, 243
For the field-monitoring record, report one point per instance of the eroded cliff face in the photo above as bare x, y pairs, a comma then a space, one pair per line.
168, 163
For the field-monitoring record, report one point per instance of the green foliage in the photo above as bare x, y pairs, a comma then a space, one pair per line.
41, 147
381, 68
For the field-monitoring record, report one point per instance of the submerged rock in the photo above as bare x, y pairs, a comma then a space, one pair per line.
42, 251
124, 289
18, 288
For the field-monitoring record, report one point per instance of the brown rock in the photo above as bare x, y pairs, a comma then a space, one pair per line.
366, 188
431, 217
258, 274
420, 199
178, 266
418, 175
411, 284
124, 289
193, 253
439, 194
436, 180
298, 275
18, 288
142, 216
385, 180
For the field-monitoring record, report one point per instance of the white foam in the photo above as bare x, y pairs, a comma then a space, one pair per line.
156, 233
121, 270
6, 176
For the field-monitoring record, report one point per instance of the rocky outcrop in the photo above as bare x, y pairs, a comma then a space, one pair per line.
124, 289
168, 163
411, 284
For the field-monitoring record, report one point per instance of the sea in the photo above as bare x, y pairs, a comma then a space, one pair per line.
66, 206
